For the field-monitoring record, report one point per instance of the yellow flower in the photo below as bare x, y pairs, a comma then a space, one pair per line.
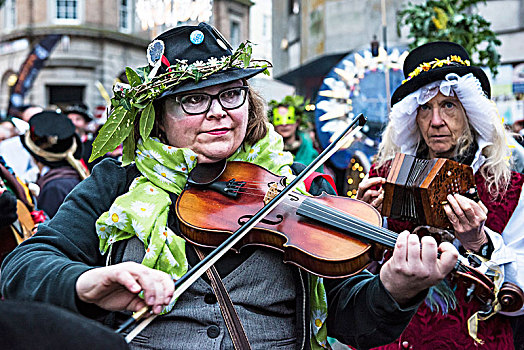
117, 217
441, 21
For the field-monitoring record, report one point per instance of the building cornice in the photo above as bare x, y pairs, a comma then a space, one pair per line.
245, 2
75, 30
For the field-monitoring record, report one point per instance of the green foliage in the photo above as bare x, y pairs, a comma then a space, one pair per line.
133, 103
113, 132
147, 121
452, 20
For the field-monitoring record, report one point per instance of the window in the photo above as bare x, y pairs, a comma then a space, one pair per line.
67, 9
235, 33
10, 14
125, 16
265, 25
67, 12
65, 94
293, 7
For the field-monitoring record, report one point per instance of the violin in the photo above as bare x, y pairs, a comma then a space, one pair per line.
326, 235
344, 244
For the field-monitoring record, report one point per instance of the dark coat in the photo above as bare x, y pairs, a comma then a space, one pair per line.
45, 268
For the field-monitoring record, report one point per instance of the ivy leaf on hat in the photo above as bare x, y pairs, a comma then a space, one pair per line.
128, 149
113, 132
133, 77
147, 120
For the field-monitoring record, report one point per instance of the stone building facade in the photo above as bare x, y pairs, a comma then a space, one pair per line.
99, 38
311, 36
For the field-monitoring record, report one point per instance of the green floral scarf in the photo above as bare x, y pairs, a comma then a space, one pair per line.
143, 210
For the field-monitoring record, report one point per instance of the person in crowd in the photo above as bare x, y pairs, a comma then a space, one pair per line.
287, 117
79, 114
518, 128
14, 153
12, 191
443, 110
56, 148
7, 130
111, 246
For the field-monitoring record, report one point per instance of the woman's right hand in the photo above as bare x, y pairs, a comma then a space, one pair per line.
116, 287
372, 197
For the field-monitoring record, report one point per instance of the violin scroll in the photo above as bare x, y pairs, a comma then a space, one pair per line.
510, 297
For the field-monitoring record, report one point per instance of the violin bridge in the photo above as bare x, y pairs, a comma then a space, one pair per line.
271, 193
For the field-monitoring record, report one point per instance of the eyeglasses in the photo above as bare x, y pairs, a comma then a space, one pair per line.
199, 103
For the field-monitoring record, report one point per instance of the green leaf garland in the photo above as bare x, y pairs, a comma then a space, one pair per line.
133, 77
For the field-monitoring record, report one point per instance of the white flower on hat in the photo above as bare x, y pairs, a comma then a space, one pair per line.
213, 61
199, 64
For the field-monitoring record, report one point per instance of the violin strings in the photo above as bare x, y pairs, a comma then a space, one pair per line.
355, 221
369, 231
360, 227
461, 266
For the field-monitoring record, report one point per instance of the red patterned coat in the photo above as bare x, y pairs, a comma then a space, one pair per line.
431, 330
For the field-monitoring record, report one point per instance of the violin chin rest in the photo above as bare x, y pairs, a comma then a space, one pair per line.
206, 173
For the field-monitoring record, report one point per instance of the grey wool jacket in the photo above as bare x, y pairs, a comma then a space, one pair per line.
45, 268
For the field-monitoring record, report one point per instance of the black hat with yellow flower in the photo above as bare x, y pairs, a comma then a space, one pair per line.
433, 61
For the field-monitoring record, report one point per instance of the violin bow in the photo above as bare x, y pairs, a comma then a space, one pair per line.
199, 269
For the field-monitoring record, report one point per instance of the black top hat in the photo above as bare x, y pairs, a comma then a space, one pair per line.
433, 61
53, 133
195, 43
81, 109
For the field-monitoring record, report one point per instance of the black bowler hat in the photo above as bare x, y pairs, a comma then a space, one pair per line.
54, 134
195, 43
81, 109
433, 61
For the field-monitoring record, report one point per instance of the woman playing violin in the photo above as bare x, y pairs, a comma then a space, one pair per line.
443, 110
108, 251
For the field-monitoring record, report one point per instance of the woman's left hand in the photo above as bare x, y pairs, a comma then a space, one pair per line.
468, 218
415, 266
